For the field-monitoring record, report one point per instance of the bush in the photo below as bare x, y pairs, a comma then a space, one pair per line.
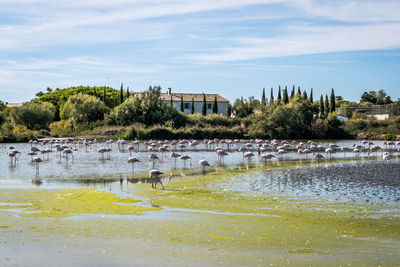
17, 133
146, 109
33, 115
82, 108
62, 128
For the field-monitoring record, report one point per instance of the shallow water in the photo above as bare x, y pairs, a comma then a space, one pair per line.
90, 163
289, 212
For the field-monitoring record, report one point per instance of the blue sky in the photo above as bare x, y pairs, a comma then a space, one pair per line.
230, 47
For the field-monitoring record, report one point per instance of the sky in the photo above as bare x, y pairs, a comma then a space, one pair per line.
231, 47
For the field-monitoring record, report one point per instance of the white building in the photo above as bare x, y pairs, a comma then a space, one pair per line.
198, 102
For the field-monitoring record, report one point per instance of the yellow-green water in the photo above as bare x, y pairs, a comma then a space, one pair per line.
196, 222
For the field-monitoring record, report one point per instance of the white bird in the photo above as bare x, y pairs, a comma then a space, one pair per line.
133, 160
37, 160
329, 151
319, 156
68, 152
185, 158
175, 155
386, 157
155, 176
153, 158
249, 155
267, 156
13, 155
204, 163
221, 154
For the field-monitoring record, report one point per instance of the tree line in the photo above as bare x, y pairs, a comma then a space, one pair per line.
78, 109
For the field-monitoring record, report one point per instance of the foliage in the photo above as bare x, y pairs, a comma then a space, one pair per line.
263, 100
33, 115
59, 97
321, 107
376, 98
365, 124
2, 118
18, 133
146, 109
271, 98
83, 108
2, 105
285, 96
192, 107
162, 132
327, 106
332, 101
228, 110
215, 106
204, 106
279, 98
244, 108
283, 121
181, 104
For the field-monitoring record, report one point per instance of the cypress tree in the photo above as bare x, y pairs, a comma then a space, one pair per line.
305, 95
215, 106
321, 106
263, 101
279, 99
94, 91
285, 96
228, 110
298, 90
104, 94
204, 108
171, 102
326, 106
333, 103
271, 98
182, 103
128, 94
311, 96
121, 93
292, 93
192, 110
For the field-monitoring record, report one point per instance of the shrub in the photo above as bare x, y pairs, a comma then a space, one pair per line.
33, 115
82, 108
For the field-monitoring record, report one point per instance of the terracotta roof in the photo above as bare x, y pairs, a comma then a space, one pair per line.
188, 97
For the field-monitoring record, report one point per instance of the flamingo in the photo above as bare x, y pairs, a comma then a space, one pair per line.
133, 160
386, 158
13, 155
267, 156
204, 163
155, 176
319, 157
67, 152
175, 155
130, 149
184, 158
37, 160
329, 151
249, 155
153, 158
221, 154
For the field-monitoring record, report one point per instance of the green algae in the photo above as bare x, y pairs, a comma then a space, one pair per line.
230, 227
67, 202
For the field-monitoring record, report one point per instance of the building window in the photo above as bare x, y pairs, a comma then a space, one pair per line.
186, 105
209, 106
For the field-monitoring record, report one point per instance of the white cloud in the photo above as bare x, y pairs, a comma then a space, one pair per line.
315, 41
